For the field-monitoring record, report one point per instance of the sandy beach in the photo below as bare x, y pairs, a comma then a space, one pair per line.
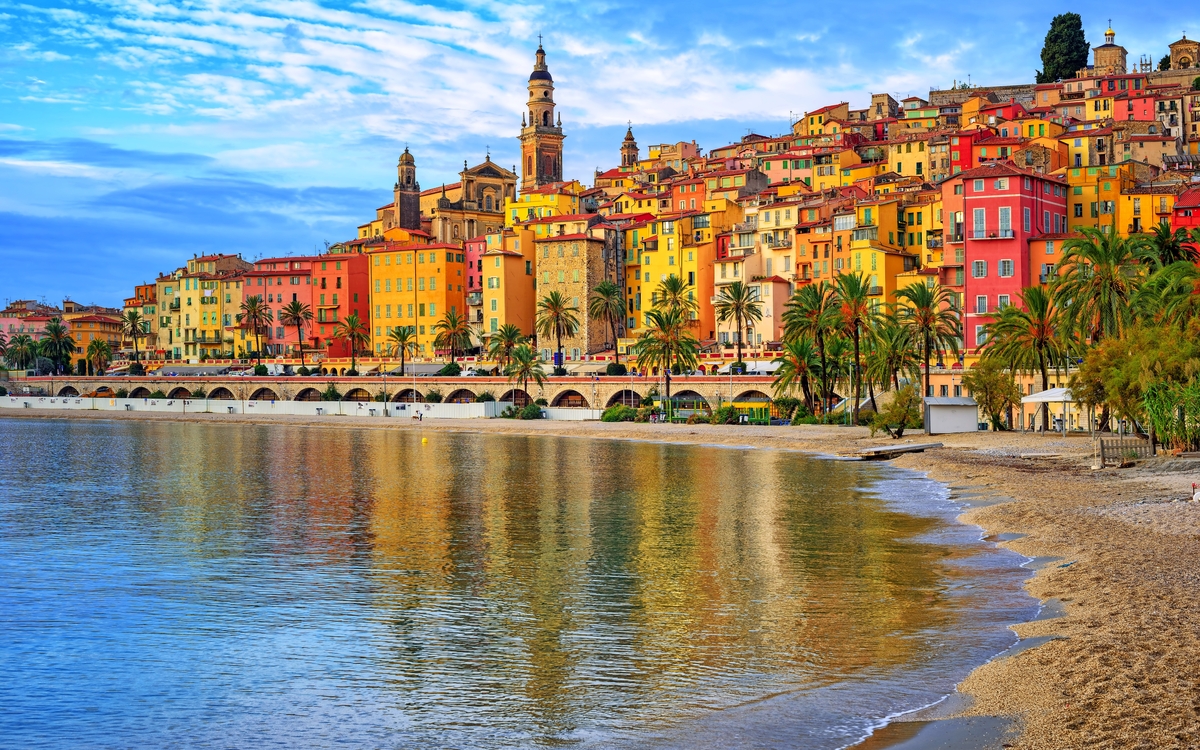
1112, 661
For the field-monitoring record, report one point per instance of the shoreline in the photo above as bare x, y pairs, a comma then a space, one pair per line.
1110, 660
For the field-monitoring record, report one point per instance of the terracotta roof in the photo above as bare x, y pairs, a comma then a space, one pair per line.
1189, 199
576, 236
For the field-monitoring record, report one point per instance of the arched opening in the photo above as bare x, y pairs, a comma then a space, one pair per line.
264, 394
221, 394
546, 119
408, 396
308, 394
625, 398
357, 394
689, 401
179, 392
570, 400
517, 397
68, 392
461, 396
752, 396
324, 371
104, 392
140, 392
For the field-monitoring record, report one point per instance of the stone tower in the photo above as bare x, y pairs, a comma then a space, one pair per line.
541, 138
1109, 58
629, 149
408, 193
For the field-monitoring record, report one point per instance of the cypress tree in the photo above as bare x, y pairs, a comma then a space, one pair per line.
1065, 50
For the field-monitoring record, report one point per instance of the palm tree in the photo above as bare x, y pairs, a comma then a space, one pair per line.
798, 364
132, 325
853, 292
258, 316
22, 351
667, 343
502, 343
1167, 246
1170, 295
99, 353
3, 346
812, 313
929, 315
402, 340
57, 345
741, 304
454, 333
1098, 276
296, 313
675, 293
356, 333
1028, 338
556, 318
525, 365
893, 353
607, 304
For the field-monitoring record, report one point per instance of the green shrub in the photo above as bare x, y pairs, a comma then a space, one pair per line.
902, 413
484, 397
3, 391
649, 399
381, 397
331, 393
619, 413
303, 371
787, 406
81, 367
807, 419
531, 411
434, 396
510, 412
352, 373
696, 418
450, 370
122, 393
560, 371
136, 369
725, 415
643, 414
866, 417
199, 393
260, 370
157, 394
541, 402
616, 368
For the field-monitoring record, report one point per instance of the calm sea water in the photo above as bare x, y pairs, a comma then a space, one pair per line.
232, 586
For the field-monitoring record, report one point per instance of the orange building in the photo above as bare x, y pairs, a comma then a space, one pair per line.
415, 286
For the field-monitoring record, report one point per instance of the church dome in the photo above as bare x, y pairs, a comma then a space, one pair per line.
540, 75
407, 158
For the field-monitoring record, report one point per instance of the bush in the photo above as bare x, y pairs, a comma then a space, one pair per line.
807, 419
199, 393
434, 396
643, 414
381, 397
122, 393
351, 373
303, 371
331, 393
453, 369
649, 399
560, 371
157, 394
510, 412
616, 368
484, 397
786, 406
137, 369
866, 417
696, 418
725, 415
531, 411
902, 413
541, 402
260, 370
3, 391
81, 367
619, 413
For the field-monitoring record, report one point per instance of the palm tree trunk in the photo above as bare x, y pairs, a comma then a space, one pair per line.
300, 342
737, 321
612, 323
928, 346
824, 375
805, 389
1045, 386
857, 375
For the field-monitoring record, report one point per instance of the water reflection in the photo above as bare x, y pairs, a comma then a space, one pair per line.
312, 585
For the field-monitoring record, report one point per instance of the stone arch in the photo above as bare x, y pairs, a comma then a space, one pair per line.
408, 396
264, 394
140, 392
324, 371
104, 392
571, 399
179, 392
687, 399
752, 396
626, 398
357, 394
461, 396
517, 397
68, 391
221, 394
308, 394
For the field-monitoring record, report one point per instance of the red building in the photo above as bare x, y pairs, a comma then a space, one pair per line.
962, 146
280, 281
341, 287
1187, 210
1003, 208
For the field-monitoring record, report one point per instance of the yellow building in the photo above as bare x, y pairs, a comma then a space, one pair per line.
828, 165
880, 257
909, 158
558, 199
415, 286
509, 285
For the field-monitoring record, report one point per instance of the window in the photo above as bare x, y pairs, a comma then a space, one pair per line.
979, 222
981, 304
1006, 221
1001, 183
1005, 268
980, 336
1026, 218
979, 269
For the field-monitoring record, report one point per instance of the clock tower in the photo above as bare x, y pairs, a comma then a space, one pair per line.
541, 136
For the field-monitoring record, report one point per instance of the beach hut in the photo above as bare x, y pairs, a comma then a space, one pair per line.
946, 414
1043, 400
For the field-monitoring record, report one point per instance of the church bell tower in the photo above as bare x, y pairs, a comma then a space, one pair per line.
541, 136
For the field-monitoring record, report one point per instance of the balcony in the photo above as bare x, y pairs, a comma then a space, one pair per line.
865, 234
933, 243
875, 291
750, 225
992, 234
474, 299
175, 305
781, 242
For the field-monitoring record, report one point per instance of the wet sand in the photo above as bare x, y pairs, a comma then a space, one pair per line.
1113, 660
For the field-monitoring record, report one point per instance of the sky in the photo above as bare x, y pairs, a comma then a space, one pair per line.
134, 134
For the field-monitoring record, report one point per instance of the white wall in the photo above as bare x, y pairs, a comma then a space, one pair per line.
300, 408
945, 419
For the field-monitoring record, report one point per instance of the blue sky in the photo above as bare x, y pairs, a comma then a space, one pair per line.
135, 133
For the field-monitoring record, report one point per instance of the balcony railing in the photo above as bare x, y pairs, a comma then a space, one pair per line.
875, 291
933, 243
474, 298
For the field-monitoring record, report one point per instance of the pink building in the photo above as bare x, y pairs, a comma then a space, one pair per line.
280, 281
1003, 208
